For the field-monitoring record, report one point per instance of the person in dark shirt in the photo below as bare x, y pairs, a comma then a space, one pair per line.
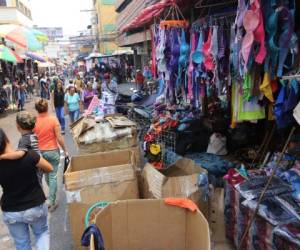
29, 141
58, 102
23, 200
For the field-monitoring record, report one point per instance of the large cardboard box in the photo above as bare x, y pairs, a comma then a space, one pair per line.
152, 225
92, 137
98, 177
179, 180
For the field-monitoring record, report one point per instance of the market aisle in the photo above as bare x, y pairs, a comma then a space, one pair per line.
60, 237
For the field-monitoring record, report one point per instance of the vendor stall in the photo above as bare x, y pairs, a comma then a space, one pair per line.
228, 98
230, 73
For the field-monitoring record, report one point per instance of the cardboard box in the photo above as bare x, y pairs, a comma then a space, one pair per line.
92, 137
152, 225
98, 177
179, 180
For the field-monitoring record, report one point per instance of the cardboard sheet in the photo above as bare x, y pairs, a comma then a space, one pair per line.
152, 225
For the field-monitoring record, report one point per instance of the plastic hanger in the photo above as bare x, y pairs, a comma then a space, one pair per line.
177, 18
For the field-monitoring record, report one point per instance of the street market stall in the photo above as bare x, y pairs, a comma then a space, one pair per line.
231, 87
229, 102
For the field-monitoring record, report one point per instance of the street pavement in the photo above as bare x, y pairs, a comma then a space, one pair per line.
60, 236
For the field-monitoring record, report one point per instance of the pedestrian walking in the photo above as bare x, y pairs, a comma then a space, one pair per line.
88, 95
79, 85
25, 122
23, 199
47, 129
58, 102
20, 93
37, 85
73, 104
139, 80
45, 83
30, 87
8, 90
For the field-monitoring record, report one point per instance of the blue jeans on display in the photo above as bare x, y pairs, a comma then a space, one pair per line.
18, 224
61, 117
53, 157
74, 115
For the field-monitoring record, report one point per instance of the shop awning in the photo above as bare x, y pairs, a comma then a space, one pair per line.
35, 56
46, 65
147, 15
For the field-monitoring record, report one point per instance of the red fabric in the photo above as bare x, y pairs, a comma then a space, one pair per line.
153, 66
148, 14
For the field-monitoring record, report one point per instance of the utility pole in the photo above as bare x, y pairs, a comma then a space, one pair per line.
92, 24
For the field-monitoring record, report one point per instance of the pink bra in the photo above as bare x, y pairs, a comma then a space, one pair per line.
208, 61
259, 33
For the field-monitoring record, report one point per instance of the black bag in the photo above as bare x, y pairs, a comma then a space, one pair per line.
67, 161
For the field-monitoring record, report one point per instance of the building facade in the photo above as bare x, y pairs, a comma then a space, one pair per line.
53, 33
105, 22
16, 12
138, 40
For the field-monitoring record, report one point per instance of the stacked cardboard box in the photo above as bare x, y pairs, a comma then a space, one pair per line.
98, 177
180, 180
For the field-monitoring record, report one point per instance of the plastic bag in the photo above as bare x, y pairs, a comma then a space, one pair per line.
271, 210
252, 188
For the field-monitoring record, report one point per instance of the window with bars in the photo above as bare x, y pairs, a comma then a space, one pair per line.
3, 3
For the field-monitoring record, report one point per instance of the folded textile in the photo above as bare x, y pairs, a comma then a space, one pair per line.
271, 210
286, 234
212, 163
252, 188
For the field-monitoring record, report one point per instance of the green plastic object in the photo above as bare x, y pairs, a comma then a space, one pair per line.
101, 204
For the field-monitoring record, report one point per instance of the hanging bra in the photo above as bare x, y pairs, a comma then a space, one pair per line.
161, 46
241, 9
197, 56
287, 25
175, 50
250, 22
214, 42
208, 60
191, 66
259, 33
184, 49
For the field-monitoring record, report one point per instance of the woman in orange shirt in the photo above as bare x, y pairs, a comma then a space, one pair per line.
48, 131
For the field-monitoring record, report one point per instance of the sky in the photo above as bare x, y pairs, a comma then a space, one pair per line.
62, 13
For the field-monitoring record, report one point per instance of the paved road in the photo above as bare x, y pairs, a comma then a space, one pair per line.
59, 226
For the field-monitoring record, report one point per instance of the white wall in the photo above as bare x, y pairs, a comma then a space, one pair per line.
14, 16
